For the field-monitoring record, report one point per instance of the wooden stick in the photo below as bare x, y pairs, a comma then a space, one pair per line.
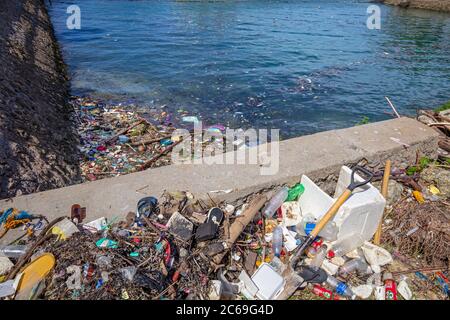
107, 141
444, 144
392, 106
239, 224
444, 124
426, 269
149, 141
152, 160
384, 192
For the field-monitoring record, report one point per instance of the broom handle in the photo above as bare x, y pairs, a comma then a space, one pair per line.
384, 192
331, 213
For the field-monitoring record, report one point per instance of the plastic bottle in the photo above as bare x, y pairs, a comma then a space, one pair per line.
322, 292
275, 202
390, 288
329, 232
295, 192
347, 244
13, 251
340, 287
353, 265
319, 258
277, 241
325, 293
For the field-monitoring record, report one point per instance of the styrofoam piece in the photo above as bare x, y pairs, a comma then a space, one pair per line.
270, 284
363, 211
363, 291
313, 201
291, 212
5, 265
376, 256
404, 290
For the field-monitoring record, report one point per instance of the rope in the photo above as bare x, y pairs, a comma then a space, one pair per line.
12, 218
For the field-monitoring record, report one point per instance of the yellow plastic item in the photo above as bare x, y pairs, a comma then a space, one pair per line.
33, 274
57, 231
419, 197
434, 190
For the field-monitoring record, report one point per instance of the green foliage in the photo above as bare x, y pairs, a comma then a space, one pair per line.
364, 120
423, 163
445, 106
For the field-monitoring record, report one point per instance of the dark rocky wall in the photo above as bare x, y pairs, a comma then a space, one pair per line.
38, 141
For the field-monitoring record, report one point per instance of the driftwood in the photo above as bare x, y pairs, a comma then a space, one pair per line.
444, 144
148, 141
108, 141
159, 155
241, 222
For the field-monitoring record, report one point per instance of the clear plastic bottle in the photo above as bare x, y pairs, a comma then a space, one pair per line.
319, 258
347, 244
353, 265
375, 280
277, 241
340, 287
13, 251
275, 202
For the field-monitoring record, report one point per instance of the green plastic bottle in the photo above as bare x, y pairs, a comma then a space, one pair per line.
295, 192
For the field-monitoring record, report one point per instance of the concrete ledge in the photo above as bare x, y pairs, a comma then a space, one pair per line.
319, 155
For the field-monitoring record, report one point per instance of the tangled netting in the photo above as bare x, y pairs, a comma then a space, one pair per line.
421, 230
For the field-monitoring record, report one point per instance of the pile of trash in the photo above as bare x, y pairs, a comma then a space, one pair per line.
117, 140
293, 242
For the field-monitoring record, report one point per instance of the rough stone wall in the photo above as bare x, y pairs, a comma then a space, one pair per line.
38, 141
437, 5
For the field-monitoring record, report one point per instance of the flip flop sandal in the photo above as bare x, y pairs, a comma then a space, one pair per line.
146, 206
215, 215
208, 230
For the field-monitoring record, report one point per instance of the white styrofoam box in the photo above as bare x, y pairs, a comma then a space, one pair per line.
313, 201
362, 212
270, 284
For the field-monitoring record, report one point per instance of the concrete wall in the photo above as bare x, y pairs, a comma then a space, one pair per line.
37, 138
320, 156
